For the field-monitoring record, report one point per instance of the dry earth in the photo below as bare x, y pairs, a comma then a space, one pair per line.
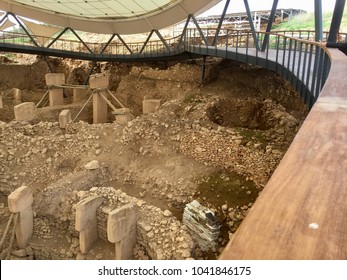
218, 141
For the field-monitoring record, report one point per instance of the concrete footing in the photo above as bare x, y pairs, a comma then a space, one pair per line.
86, 221
64, 118
56, 96
25, 111
121, 230
20, 201
150, 105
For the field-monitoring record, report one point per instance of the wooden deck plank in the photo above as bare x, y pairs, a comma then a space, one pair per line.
307, 190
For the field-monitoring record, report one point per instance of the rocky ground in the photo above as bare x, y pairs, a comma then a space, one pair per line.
217, 141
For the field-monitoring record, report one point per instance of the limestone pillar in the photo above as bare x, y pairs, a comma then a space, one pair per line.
20, 201
1, 103
150, 105
25, 111
99, 83
99, 109
79, 94
86, 221
64, 118
56, 95
121, 230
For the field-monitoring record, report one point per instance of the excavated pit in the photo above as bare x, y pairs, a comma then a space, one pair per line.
216, 142
249, 113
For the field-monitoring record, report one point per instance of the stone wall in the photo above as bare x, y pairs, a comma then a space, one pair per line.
160, 233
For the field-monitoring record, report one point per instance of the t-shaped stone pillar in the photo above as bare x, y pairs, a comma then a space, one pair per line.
121, 229
100, 83
86, 221
20, 201
56, 95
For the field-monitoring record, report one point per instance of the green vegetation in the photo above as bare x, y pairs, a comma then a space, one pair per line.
306, 22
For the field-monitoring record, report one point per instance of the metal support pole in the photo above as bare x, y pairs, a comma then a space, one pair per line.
249, 15
3, 18
89, 73
25, 30
184, 30
125, 44
162, 39
107, 44
336, 20
318, 20
220, 22
203, 69
56, 38
147, 40
199, 29
269, 25
79, 38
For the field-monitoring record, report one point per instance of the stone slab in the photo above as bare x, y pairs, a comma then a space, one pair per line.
20, 199
25, 111
55, 79
121, 230
56, 97
25, 227
150, 105
86, 211
99, 109
86, 221
99, 81
64, 118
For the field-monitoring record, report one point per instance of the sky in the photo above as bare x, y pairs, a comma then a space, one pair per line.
256, 5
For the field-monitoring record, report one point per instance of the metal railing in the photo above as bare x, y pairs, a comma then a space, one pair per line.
304, 63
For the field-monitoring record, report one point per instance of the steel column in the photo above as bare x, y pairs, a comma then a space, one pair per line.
184, 30
255, 38
147, 40
162, 39
25, 30
336, 20
269, 25
57, 38
220, 22
318, 20
4, 17
199, 29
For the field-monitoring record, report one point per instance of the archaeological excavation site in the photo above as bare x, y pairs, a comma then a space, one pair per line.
137, 161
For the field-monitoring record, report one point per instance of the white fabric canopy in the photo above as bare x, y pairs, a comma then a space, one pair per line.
108, 16
41, 30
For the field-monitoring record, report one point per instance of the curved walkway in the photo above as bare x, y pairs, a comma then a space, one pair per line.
302, 211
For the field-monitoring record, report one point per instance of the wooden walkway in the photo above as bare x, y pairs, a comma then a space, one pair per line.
302, 211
